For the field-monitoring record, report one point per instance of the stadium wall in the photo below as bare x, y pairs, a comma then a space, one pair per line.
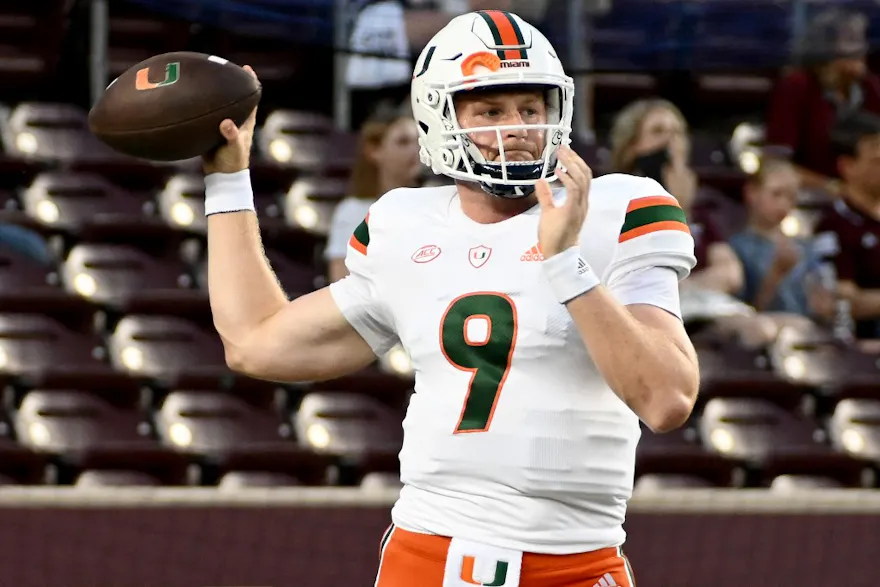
169, 537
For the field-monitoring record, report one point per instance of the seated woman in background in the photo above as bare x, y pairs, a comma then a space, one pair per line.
650, 138
388, 158
780, 271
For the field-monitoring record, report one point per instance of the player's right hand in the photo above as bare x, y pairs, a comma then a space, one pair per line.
560, 226
235, 155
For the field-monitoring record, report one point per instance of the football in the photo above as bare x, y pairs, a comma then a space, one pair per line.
169, 107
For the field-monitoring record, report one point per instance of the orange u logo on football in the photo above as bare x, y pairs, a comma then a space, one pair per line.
172, 74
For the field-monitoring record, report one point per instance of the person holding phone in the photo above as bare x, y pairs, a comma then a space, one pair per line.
650, 138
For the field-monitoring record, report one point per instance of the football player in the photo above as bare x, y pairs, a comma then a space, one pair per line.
539, 307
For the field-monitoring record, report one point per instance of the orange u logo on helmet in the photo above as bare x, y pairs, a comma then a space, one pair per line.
172, 74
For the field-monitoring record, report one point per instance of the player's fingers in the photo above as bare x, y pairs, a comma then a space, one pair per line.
544, 194
572, 190
229, 130
251, 71
573, 168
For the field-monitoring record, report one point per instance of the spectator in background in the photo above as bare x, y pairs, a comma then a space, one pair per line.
650, 138
853, 223
832, 81
388, 158
777, 268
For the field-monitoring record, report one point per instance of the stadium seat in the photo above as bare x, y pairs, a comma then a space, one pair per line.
88, 206
799, 483
126, 279
679, 453
235, 480
27, 285
169, 350
378, 480
310, 202
182, 203
811, 357
38, 350
204, 422
347, 425
854, 427
58, 421
305, 141
88, 433
248, 443
52, 132
661, 482
773, 441
112, 478
732, 371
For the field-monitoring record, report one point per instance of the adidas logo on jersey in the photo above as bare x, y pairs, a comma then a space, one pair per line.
533, 254
606, 581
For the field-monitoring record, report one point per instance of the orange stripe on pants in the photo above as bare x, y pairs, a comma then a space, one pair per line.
418, 560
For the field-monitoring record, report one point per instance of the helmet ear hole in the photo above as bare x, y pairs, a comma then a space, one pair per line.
432, 97
448, 157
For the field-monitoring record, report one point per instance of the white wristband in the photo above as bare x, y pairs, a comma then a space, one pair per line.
228, 192
569, 275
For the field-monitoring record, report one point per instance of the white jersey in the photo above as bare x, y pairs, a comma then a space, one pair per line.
512, 437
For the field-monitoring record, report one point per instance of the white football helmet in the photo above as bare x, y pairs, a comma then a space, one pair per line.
513, 55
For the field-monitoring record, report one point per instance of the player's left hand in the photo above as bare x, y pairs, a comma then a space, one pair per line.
560, 226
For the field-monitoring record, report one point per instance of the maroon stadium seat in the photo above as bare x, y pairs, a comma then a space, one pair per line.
660, 481
27, 285
347, 424
115, 478
732, 371
237, 438
70, 421
182, 203
136, 34
168, 349
854, 427
87, 205
305, 141
810, 357
799, 483
127, 279
53, 132
41, 351
310, 202
773, 440
90, 434
679, 453
235, 480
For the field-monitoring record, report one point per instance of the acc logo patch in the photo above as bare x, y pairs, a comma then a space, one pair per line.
426, 254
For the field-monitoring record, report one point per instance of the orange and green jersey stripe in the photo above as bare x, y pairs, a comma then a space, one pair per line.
506, 33
652, 214
360, 239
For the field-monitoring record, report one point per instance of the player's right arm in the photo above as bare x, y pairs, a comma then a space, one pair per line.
264, 335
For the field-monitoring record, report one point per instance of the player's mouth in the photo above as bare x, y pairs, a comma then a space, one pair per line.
517, 155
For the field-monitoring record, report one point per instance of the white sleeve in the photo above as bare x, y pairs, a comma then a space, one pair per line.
358, 297
346, 218
654, 286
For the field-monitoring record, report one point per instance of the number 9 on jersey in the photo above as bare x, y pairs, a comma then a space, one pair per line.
478, 335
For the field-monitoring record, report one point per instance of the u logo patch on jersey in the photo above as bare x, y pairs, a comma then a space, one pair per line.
467, 573
471, 563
